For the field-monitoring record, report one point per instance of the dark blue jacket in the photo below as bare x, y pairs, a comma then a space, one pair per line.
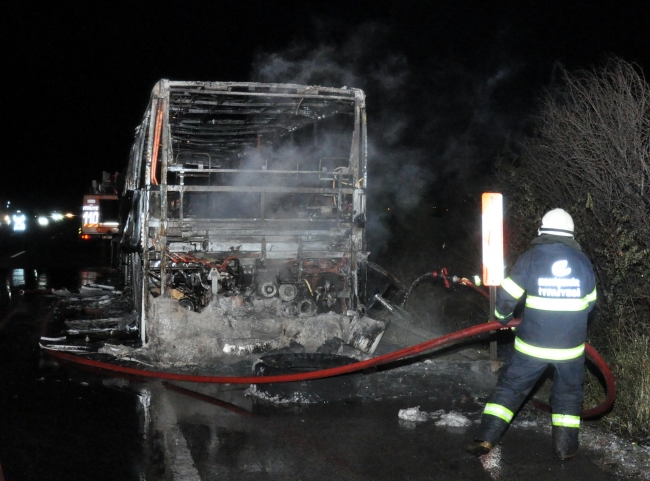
560, 287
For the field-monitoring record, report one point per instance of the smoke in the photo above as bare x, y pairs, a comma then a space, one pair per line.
305, 67
430, 126
317, 153
398, 172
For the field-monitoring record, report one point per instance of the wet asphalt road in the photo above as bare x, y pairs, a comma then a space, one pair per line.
61, 423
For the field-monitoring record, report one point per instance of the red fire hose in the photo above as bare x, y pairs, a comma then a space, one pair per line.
357, 366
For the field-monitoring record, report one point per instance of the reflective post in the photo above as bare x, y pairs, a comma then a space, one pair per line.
493, 261
493, 337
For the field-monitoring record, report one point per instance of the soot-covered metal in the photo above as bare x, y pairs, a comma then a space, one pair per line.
246, 230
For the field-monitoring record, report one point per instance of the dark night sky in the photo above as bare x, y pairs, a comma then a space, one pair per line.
77, 75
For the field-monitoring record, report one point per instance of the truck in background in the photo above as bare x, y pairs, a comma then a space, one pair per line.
100, 209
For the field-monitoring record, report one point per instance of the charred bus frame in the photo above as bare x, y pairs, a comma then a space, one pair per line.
248, 190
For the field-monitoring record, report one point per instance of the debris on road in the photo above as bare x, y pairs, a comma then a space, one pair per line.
413, 414
453, 420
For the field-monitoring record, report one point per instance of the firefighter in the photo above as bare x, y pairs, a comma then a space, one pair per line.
558, 282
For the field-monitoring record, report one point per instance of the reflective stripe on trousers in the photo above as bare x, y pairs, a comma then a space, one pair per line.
566, 420
499, 411
548, 353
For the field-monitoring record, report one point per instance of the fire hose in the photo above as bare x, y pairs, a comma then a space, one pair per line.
447, 339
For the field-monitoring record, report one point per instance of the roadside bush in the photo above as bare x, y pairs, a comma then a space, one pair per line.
590, 155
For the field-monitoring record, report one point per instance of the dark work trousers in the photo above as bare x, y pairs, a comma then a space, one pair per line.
518, 376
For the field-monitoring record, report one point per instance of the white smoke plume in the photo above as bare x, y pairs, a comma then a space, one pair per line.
397, 173
425, 122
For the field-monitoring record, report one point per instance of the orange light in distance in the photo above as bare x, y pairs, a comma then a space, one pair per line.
493, 262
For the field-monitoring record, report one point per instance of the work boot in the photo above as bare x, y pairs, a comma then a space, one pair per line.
478, 448
487, 435
565, 442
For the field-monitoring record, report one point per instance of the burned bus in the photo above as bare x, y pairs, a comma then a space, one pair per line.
246, 231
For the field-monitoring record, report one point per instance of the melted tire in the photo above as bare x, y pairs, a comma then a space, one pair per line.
331, 389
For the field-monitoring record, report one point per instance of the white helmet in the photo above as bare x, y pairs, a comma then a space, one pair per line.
557, 222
